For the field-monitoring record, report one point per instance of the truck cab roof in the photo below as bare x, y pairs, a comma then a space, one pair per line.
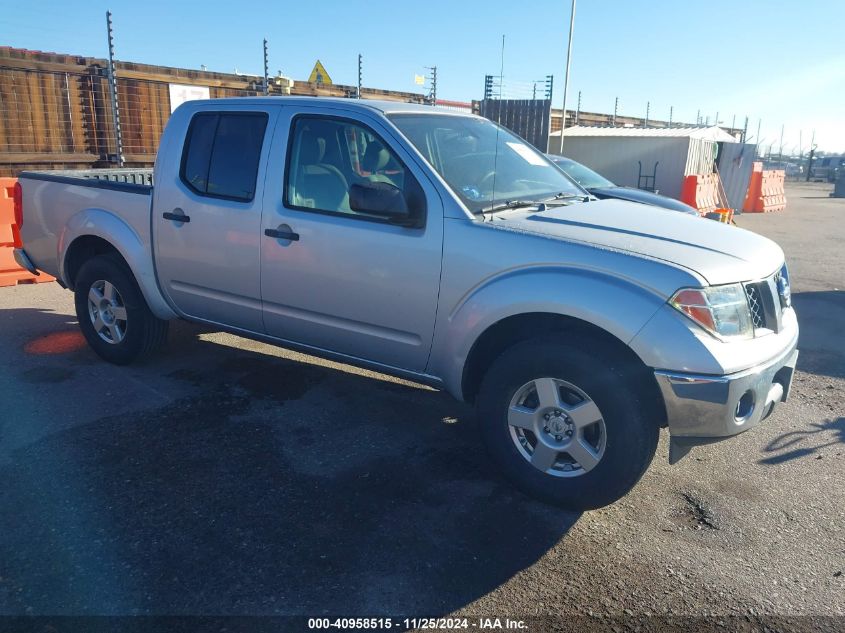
377, 105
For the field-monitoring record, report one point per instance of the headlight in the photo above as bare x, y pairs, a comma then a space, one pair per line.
721, 310
784, 290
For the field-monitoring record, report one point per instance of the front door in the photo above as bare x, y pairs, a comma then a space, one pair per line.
336, 279
207, 214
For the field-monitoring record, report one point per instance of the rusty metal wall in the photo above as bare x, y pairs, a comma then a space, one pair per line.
56, 112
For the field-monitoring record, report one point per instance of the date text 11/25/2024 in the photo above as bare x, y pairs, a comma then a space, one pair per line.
416, 623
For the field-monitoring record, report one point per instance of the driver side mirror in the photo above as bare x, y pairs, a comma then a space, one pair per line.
382, 200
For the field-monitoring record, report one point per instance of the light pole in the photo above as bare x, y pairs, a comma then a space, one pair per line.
566, 76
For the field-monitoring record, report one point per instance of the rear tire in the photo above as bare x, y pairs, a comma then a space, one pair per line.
547, 406
112, 312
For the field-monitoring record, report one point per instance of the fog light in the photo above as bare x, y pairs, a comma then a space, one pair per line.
745, 407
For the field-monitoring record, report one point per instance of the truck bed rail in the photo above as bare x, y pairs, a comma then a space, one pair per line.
138, 181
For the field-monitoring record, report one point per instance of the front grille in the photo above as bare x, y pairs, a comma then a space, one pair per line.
765, 303
755, 302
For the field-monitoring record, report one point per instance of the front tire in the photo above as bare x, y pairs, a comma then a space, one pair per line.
566, 422
112, 312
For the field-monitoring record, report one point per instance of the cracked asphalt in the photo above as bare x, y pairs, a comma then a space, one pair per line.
228, 477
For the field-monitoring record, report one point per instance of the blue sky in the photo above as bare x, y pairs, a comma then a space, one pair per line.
777, 61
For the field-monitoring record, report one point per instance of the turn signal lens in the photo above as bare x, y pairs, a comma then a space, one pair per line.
721, 310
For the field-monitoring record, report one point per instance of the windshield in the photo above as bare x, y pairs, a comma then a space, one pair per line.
584, 176
463, 150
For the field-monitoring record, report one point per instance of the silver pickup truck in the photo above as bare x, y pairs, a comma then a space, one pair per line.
441, 248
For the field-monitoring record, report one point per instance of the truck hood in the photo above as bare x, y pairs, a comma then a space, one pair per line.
718, 252
643, 197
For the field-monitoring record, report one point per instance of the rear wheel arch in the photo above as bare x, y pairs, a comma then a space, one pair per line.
112, 237
84, 248
506, 333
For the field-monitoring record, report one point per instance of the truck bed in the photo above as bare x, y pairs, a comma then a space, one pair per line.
57, 204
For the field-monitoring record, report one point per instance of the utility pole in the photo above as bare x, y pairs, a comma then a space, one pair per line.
115, 110
780, 150
615, 110
698, 118
647, 112
566, 76
360, 76
578, 110
745, 130
432, 92
266, 71
810, 156
671, 112
488, 86
502, 84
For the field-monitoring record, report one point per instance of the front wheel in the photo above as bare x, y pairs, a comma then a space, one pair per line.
112, 312
567, 425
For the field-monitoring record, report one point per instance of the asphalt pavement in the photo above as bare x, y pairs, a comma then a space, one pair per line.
229, 477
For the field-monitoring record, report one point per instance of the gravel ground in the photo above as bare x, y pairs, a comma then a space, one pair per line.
225, 478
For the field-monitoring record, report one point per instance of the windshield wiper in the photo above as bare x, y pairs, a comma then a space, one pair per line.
511, 204
558, 198
567, 196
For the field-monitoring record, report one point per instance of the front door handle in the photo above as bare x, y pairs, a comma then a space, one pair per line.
177, 216
280, 234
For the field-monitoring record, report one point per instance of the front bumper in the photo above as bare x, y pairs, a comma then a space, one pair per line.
701, 409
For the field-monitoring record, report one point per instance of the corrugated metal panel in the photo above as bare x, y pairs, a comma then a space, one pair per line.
709, 133
735, 163
701, 157
618, 159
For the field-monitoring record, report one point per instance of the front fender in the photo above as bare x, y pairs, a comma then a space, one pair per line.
126, 240
617, 305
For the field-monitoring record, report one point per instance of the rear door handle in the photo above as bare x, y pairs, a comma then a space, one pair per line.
282, 235
176, 217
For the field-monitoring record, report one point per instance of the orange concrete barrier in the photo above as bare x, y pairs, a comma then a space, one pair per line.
702, 192
765, 190
10, 273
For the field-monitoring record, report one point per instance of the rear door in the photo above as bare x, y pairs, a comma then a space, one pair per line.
347, 282
207, 213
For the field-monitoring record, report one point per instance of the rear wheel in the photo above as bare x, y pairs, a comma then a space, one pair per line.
112, 312
566, 422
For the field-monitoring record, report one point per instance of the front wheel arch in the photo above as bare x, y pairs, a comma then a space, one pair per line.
504, 334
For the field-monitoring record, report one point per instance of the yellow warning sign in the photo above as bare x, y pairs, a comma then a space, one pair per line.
319, 75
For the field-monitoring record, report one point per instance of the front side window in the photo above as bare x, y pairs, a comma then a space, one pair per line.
484, 164
327, 156
222, 152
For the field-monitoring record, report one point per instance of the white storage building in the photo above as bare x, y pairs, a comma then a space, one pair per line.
631, 156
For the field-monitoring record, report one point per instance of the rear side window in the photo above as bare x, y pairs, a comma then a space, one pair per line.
221, 154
